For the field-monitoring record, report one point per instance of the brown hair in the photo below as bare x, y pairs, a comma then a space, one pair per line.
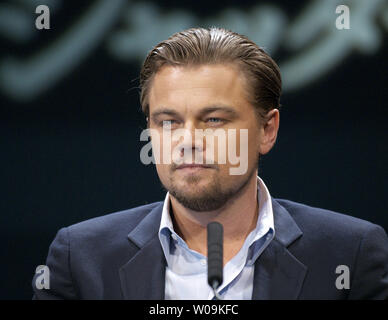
198, 46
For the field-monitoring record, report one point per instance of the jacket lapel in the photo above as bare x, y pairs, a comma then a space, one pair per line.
143, 276
278, 274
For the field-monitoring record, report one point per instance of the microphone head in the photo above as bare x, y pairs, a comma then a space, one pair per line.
215, 235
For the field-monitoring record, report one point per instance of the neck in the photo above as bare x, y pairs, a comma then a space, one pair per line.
238, 217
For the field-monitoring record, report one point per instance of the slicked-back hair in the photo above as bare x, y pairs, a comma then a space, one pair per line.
200, 46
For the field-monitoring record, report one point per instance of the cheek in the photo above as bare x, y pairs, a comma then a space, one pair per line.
237, 145
162, 147
243, 144
163, 172
254, 141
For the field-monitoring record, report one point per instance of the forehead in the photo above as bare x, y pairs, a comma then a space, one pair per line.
197, 86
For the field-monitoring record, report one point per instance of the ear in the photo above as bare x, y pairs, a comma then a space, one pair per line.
269, 131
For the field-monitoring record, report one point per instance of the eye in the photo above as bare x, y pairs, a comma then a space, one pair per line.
167, 122
214, 119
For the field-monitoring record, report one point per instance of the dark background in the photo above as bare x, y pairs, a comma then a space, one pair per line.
72, 152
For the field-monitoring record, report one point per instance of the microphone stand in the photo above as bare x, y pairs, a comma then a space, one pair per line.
215, 256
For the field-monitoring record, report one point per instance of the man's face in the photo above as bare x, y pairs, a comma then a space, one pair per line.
203, 97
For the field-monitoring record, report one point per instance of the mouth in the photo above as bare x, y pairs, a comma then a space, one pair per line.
192, 167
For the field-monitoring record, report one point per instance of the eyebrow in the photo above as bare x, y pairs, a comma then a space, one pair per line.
164, 111
202, 112
222, 108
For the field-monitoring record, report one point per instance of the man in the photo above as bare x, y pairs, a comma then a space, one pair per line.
204, 80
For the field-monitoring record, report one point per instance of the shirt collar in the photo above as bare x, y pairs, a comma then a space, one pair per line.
264, 225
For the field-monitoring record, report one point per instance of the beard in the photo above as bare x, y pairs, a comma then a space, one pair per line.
212, 197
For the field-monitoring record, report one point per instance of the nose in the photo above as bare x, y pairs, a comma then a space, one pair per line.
191, 142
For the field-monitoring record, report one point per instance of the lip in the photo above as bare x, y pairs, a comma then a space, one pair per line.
192, 166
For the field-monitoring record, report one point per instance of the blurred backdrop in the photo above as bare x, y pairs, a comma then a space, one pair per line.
71, 121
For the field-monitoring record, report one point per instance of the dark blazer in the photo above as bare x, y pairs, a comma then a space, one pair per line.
119, 256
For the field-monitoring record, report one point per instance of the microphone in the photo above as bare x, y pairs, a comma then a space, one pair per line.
215, 256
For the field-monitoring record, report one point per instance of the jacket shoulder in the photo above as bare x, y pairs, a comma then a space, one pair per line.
320, 221
116, 224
